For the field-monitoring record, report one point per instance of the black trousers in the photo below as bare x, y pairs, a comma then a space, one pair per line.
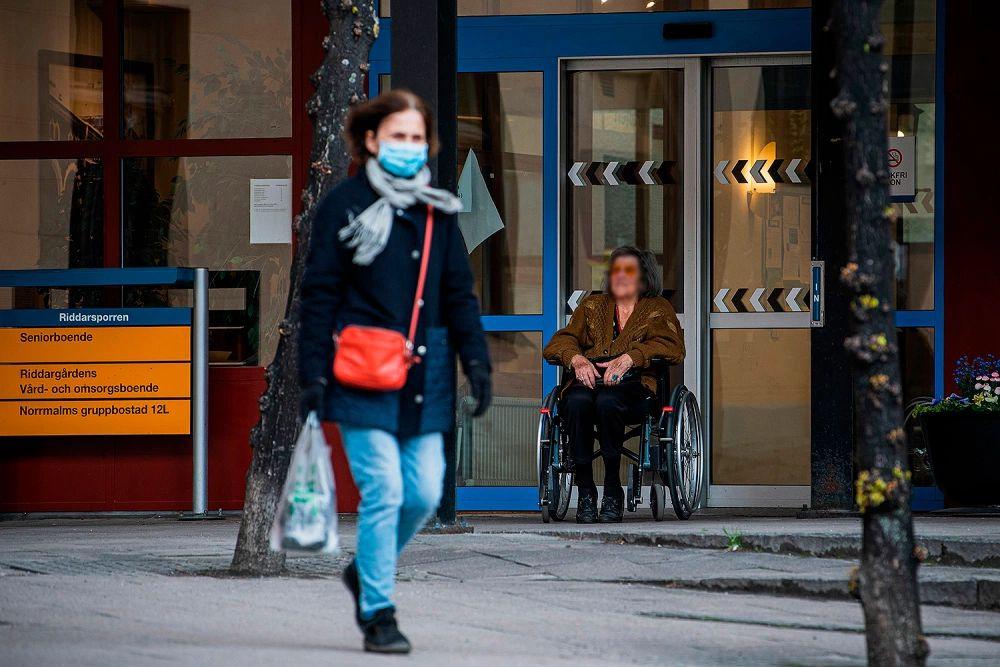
608, 409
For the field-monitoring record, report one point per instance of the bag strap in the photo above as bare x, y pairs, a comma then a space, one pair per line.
418, 298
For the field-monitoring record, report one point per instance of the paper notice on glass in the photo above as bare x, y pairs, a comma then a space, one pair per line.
270, 210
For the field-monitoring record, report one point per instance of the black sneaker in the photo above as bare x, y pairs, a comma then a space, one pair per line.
382, 635
353, 583
611, 508
586, 506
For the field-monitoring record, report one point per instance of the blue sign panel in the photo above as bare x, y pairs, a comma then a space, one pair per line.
95, 317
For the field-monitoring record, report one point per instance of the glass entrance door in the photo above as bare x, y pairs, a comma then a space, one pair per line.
760, 250
706, 162
630, 152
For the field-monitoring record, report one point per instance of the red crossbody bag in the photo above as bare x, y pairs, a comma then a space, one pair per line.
379, 359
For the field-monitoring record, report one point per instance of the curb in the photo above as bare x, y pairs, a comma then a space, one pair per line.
956, 552
980, 594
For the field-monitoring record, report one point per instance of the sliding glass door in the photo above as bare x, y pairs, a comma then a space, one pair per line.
706, 162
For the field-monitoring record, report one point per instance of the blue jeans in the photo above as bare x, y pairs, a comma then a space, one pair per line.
400, 481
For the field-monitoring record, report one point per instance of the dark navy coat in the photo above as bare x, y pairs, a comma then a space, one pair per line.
336, 292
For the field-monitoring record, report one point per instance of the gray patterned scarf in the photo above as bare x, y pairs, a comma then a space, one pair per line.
368, 231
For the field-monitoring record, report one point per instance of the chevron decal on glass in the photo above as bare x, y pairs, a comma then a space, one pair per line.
761, 300
720, 172
763, 172
737, 171
924, 203
650, 172
573, 302
720, 300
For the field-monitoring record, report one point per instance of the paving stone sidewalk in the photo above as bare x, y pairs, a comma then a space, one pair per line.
142, 591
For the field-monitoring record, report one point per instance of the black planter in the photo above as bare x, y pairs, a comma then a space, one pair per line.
965, 455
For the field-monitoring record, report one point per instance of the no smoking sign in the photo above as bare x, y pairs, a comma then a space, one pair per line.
895, 158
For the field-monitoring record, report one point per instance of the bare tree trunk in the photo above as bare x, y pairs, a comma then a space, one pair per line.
341, 82
887, 579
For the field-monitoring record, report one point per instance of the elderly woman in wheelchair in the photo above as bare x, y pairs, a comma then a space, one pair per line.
612, 352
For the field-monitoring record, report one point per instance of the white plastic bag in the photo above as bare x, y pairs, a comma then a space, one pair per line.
306, 519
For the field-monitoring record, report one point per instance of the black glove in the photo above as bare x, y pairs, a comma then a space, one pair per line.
482, 389
311, 398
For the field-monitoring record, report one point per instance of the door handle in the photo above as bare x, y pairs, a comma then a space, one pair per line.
817, 310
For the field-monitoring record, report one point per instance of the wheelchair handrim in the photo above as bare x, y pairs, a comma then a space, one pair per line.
539, 457
688, 452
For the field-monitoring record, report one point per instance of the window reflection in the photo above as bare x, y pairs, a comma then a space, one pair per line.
204, 69
911, 48
194, 211
498, 449
52, 215
51, 54
500, 182
52, 218
761, 406
635, 120
761, 195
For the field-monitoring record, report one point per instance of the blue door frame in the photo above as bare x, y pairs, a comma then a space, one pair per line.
536, 44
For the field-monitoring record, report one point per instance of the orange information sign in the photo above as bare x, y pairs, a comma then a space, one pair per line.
102, 380
128, 417
28, 382
73, 344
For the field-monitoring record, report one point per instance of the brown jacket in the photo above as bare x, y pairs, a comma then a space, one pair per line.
651, 331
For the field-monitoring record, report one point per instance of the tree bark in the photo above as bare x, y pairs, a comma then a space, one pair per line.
887, 579
340, 82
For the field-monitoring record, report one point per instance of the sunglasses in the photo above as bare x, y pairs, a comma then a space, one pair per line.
626, 269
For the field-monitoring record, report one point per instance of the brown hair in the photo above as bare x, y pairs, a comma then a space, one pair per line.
369, 115
651, 282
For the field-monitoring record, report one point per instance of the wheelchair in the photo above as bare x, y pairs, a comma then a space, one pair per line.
670, 457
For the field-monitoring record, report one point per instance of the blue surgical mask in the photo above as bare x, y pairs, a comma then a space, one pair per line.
402, 158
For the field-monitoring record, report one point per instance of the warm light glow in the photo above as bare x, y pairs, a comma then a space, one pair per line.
899, 133
769, 152
649, 5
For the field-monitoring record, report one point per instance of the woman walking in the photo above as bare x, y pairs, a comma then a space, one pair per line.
387, 260
607, 350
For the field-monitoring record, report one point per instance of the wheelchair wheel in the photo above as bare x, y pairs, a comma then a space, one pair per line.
685, 454
560, 491
658, 501
554, 485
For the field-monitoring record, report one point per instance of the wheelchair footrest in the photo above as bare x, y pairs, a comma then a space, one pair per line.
633, 494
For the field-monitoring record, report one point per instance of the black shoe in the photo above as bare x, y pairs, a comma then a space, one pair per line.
353, 583
586, 506
611, 508
382, 635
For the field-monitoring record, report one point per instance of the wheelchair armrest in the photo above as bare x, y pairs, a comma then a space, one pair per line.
662, 369
660, 365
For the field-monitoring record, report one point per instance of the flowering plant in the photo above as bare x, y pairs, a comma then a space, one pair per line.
978, 382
